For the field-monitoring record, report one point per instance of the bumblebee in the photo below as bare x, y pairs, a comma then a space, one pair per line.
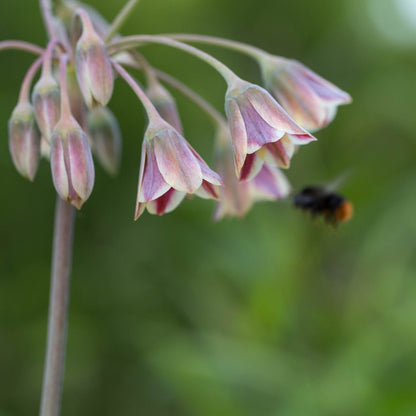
319, 201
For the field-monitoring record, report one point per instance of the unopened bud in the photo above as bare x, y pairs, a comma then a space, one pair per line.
24, 140
165, 104
46, 102
71, 162
106, 138
93, 68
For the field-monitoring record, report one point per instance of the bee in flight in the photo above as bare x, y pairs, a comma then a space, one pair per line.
320, 201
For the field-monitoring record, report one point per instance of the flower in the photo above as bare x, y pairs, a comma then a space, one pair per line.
71, 162
105, 136
309, 99
170, 168
93, 66
24, 140
238, 196
257, 123
46, 102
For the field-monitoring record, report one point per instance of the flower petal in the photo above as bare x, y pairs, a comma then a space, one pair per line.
270, 184
166, 203
59, 175
208, 191
207, 173
251, 167
176, 162
238, 132
80, 164
271, 111
278, 153
258, 131
151, 182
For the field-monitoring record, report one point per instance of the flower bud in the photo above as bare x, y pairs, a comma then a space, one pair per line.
93, 68
71, 162
106, 138
24, 140
46, 102
165, 105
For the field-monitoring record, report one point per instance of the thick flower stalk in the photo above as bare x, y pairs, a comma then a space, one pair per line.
65, 118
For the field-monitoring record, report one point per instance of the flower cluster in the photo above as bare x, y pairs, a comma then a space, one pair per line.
65, 118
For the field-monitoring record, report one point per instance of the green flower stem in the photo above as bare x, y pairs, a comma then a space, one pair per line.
120, 19
130, 42
250, 50
24, 46
58, 309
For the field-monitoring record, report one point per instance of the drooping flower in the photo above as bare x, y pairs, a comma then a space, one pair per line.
238, 196
24, 140
257, 124
105, 136
46, 102
71, 162
309, 99
93, 65
170, 169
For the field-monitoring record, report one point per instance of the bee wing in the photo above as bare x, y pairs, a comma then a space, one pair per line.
337, 182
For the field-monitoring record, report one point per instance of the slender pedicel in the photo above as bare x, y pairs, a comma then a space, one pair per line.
65, 104
21, 45
218, 119
27, 82
120, 19
250, 50
151, 111
150, 72
130, 42
48, 55
46, 9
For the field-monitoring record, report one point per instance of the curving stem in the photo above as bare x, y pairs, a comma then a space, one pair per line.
58, 308
21, 45
46, 9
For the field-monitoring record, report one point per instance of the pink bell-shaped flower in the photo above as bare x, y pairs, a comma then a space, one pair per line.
170, 169
309, 99
257, 124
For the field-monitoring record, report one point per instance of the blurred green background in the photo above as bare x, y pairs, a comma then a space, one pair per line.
269, 315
